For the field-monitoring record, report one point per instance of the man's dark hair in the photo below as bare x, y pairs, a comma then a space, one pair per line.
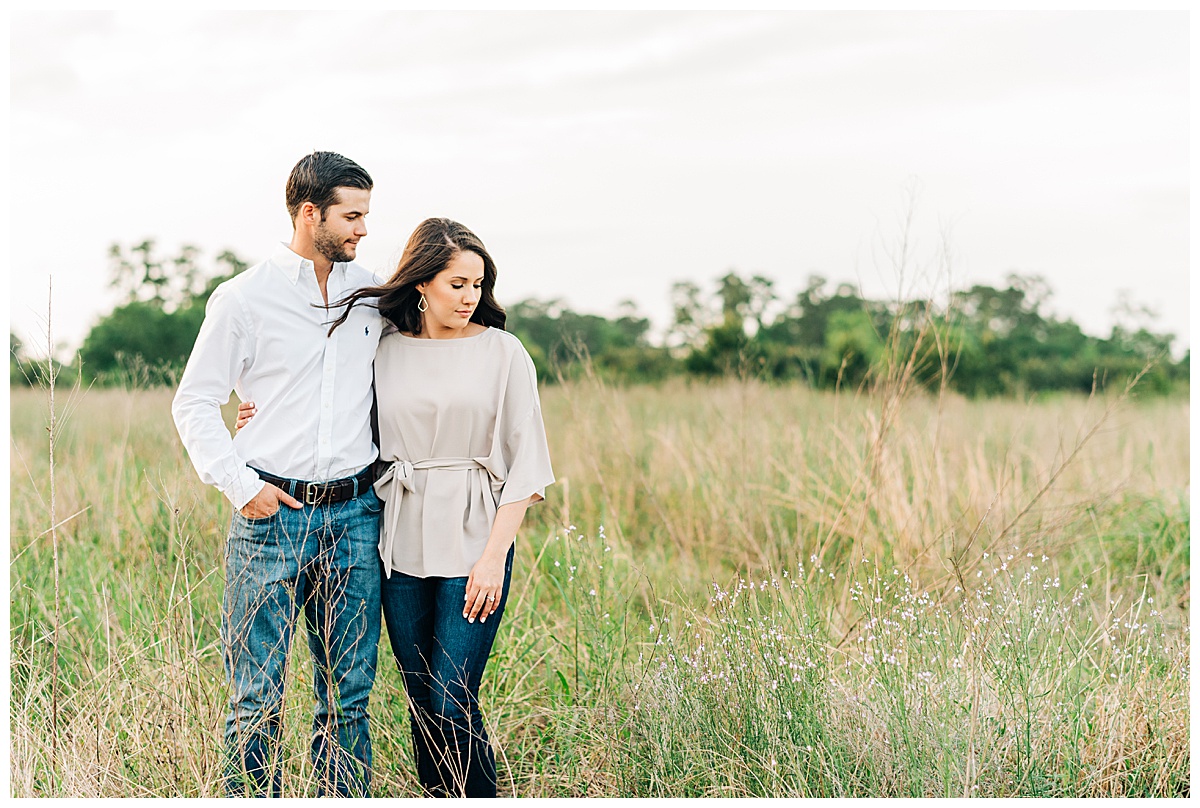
317, 177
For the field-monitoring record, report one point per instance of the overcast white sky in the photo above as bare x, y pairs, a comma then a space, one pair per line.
603, 156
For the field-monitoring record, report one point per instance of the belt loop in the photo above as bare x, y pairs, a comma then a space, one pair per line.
355, 478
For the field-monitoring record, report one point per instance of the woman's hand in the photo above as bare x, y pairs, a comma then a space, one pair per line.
246, 411
486, 582
484, 588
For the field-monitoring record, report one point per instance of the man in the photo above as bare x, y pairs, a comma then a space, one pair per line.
305, 528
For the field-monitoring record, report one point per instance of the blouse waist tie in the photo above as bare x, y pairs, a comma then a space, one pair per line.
397, 480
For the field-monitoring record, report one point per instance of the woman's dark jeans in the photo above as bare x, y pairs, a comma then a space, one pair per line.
442, 657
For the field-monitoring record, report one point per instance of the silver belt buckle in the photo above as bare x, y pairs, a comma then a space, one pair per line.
310, 493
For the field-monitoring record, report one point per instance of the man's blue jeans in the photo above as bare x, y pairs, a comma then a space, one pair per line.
442, 657
321, 562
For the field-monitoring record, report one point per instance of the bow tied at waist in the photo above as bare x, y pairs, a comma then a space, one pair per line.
442, 518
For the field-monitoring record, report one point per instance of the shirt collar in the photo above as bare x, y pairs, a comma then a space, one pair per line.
291, 263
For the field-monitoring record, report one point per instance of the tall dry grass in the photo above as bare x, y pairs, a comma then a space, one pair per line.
735, 589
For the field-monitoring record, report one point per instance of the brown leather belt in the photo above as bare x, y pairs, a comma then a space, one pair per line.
323, 493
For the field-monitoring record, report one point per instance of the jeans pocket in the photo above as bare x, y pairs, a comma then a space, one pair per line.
256, 531
260, 520
370, 502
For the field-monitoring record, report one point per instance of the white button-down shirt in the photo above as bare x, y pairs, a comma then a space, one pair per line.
264, 338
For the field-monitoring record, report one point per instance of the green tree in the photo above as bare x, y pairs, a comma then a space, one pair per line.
852, 346
17, 373
26, 372
559, 340
690, 317
148, 337
720, 332
142, 339
165, 283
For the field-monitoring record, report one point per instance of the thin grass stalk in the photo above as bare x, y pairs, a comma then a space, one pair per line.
51, 376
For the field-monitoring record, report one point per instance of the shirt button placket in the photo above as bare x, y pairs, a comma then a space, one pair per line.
325, 450
325, 419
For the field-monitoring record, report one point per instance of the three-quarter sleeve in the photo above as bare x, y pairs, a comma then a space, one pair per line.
525, 448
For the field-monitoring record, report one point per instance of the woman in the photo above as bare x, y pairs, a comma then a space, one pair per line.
460, 429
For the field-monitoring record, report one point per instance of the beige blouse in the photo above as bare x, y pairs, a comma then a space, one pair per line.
461, 425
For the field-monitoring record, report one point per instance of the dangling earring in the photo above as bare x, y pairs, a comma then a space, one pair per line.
422, 304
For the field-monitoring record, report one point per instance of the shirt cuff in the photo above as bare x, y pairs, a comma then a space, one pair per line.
244, 488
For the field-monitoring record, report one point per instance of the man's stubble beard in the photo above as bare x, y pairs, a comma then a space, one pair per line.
330, 246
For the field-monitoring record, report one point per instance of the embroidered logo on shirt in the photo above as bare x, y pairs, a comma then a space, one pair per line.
367, 331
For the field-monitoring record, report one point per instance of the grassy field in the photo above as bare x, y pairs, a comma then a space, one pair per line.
733, 590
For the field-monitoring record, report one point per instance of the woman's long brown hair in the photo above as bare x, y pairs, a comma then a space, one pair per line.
431, 247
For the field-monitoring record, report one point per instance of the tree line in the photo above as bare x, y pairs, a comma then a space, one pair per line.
982, 341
